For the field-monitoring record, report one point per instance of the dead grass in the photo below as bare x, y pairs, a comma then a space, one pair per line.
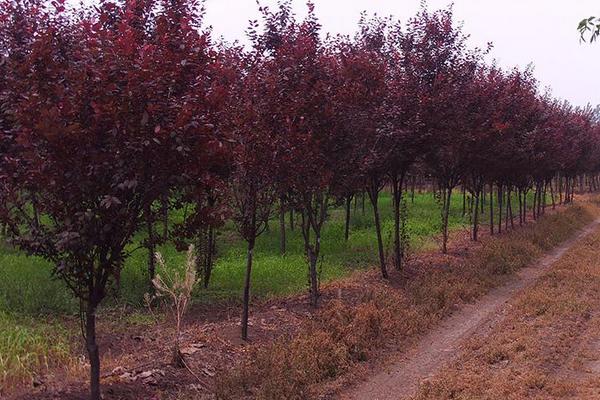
347, 332
525, 356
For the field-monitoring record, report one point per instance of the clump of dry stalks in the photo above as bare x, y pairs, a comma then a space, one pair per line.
175, 288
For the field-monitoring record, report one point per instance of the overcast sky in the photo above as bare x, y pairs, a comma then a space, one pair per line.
542, 32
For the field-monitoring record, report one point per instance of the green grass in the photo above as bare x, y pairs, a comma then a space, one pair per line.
27, 287
28, 346
274, 274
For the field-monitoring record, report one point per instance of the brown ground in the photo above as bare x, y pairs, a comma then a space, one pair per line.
402, 378
135, 359
547, 345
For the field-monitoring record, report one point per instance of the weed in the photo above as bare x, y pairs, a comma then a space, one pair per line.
175, 288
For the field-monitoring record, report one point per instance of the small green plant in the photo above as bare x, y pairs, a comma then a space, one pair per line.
176, 289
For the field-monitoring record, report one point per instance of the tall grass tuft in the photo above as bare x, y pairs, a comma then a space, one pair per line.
29, 348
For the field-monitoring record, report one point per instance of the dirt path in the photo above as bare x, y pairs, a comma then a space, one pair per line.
402, 377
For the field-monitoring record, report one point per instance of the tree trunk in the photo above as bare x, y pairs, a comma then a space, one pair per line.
34, 208
291, 219
482, 199
475, 200
281, 226
313, 257
491, 210
447, 193
534, 207
464, 196
560, 193
374, 197
552, 194
525, 206
247, 289
397, 197
509, 214
539, 199
544, 197
500, 204
151, 246
363, 202
312, 219
347, 225
165, 217
208, 264
93, 352
519, 195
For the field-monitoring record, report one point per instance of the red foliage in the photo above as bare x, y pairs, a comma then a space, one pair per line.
106, 111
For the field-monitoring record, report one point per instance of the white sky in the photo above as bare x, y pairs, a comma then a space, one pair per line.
542, 32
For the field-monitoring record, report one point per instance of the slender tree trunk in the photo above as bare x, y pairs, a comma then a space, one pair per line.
520, 195
291, 219
552, 194
362, 197
475, 200
491, 210
544, 197
509, 212
93, 352
314, 278
560, 193
397, 196
447, 193
535, 203
151, 246
313, 217
464, 206
347, 220
500, 200
246, 305
281, 226
374, 197
36, 214
482, 199
571, 189
525, 206
471, 209
164, 210
540, 195
210, 251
